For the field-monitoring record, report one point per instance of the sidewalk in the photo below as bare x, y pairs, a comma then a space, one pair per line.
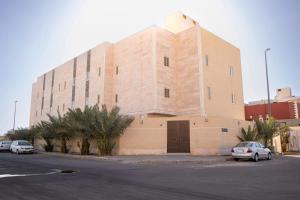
149, 159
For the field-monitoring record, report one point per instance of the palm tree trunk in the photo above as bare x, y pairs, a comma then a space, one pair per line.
64, 145
85, 146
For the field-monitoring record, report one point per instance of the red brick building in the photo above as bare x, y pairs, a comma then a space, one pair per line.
280, 110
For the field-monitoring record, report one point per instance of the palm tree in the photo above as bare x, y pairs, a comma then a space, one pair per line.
83, 124
109, 126
267, 130
61, 130
249, 135
284, 131
47, 133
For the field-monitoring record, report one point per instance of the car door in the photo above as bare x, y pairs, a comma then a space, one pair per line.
259, 150
263, 149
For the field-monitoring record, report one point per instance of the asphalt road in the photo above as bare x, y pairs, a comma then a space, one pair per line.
37, 177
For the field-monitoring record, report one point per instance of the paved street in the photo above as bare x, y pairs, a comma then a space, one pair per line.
38, 177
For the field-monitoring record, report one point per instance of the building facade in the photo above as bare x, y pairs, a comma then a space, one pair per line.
158, 74
284, 107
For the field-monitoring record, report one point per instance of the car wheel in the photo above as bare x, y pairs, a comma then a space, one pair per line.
255, 159
17, 151
236, 159
269, 156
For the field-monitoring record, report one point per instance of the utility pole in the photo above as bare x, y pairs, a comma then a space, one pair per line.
268, 89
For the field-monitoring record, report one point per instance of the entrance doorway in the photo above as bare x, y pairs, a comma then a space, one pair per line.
178, 133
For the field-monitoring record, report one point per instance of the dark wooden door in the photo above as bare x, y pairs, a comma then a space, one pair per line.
178, 133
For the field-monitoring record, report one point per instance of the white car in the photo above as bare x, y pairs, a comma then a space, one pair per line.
251, 150
21, 146
5, 145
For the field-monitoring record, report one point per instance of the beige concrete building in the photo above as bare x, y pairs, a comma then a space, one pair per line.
159, 75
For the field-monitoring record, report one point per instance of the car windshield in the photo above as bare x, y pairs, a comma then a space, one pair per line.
24, 143
244, 144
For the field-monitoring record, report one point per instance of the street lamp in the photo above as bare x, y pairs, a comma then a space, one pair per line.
267, 77
15, 115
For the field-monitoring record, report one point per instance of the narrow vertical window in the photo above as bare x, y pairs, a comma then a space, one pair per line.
87, 87
232, 98
99, 71
63, 107
73, 93
88, 62
166, 61
59, 87
74, 67
98, 99
65, 85
42, 106
57, 108
231, 71
167, 93
208, 92
51, 100
116, 98
52, 81
44, 82
117, 70
206, 60
36, 113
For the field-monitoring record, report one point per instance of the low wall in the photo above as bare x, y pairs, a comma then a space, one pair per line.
294, 144
149, 136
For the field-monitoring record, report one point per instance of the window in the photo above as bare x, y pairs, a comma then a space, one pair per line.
208, 92
44, 82
65, 85
231, 71
232, 98
116, 98
88, 62
87, 87
166, 61
51, 100
52, 81
184, 16
42, 106
98, 99
36, 113
63, 107
117, 70
99, 71
59, 87
73, 93
206, 60
74, 67
167, 93
57, 108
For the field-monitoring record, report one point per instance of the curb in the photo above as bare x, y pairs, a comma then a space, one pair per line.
149, 160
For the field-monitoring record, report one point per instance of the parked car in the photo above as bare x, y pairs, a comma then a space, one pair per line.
21, 146
5, 145
251, 150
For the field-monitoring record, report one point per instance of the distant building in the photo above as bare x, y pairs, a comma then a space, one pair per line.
284, 107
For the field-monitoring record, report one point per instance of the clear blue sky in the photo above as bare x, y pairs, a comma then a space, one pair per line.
37, 35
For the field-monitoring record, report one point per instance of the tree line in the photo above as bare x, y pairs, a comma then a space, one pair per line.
90, 123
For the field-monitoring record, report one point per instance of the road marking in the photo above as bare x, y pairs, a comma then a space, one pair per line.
54, 171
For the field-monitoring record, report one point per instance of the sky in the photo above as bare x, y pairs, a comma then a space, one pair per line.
38, 35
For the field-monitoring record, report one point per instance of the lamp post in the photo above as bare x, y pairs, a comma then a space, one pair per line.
15, 115
267, 77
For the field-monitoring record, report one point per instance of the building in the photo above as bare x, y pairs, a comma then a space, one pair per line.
180, 72
284, 107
